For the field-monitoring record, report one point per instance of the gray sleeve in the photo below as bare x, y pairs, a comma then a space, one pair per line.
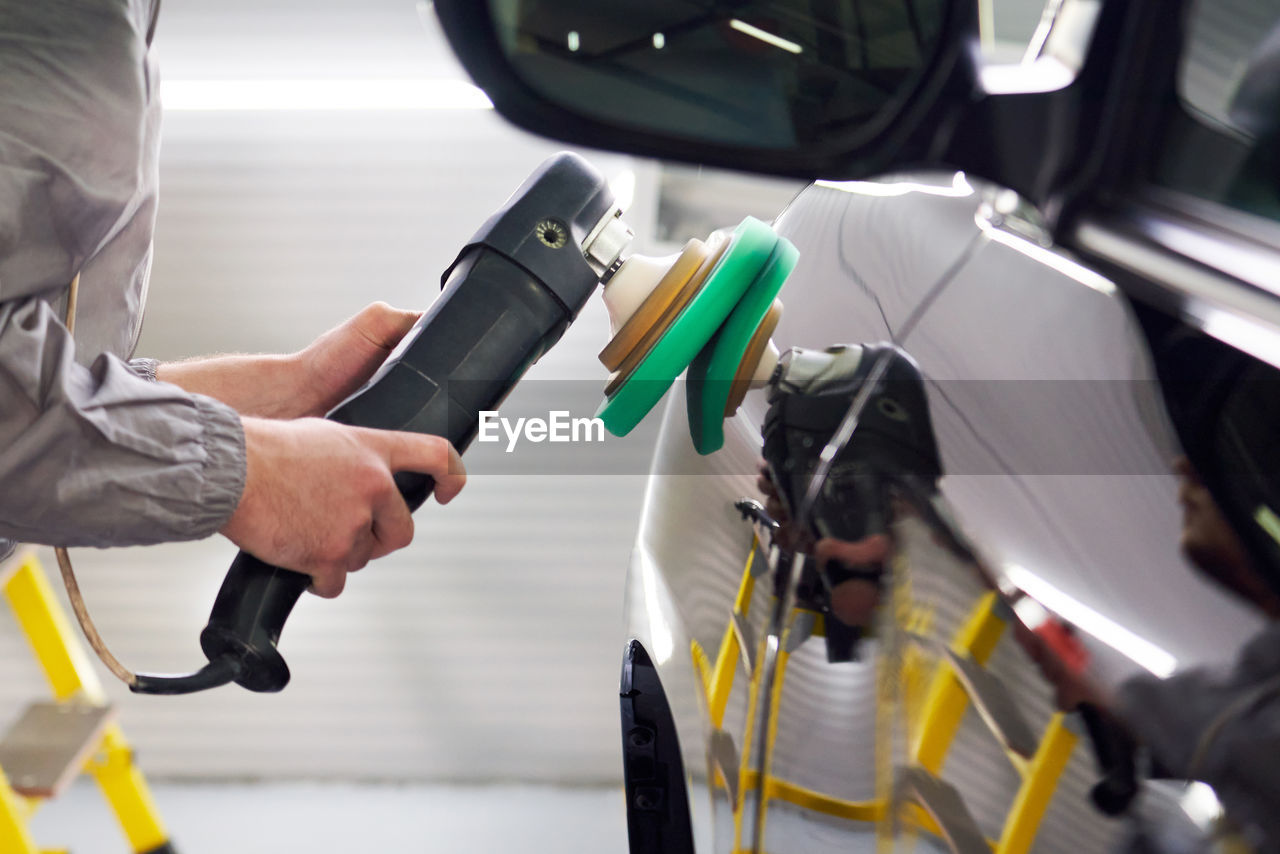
145, 368
1170, 715
100, 456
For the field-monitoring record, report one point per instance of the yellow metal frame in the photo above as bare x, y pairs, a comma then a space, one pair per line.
940, 714
66, 665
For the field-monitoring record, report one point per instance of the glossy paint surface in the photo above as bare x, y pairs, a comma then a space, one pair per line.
1055, 450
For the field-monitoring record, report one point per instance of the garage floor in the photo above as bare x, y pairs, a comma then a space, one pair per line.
352, 819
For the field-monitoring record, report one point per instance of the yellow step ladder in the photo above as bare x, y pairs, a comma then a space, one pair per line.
53, 742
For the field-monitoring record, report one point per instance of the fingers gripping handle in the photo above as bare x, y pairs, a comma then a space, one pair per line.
507, 299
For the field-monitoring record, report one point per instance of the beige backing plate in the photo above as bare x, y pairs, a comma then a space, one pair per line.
655, 332
751, 358
655, 304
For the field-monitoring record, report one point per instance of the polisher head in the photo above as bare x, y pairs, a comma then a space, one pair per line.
711, 310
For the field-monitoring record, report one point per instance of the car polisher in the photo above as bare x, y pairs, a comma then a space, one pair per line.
508, 297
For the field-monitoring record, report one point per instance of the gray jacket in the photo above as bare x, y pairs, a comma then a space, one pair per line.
1220, 726
92, 451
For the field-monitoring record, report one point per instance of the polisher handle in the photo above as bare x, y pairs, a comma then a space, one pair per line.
1114, 749
507, 299
256, 599
252, 605
462, 357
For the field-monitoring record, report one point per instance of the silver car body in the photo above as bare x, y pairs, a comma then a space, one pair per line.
1055, 448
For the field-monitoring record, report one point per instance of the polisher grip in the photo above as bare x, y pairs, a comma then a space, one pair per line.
256, 599
507, 299
252, 605
463, 356
1115, 750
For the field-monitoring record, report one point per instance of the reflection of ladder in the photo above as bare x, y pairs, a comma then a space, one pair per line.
52, 742
739, 644
959, 679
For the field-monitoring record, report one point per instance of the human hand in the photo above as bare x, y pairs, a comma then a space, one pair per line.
319, 496
787, 536
1071, 685
307, 383
854, 600
342, 359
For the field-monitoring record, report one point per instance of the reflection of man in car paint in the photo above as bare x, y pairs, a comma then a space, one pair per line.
893, 447
1220, 725
854, 600
1213, 547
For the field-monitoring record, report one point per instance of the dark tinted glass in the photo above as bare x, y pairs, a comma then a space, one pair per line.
1228, 148
752, 74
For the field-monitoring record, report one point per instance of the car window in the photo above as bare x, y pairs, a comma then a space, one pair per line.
1225, 147
763, 74
1007, 28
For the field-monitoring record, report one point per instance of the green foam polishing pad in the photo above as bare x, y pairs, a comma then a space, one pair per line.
749, 250
711, 372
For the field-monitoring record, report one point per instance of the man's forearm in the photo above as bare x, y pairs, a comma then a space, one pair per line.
260, 386
304, 384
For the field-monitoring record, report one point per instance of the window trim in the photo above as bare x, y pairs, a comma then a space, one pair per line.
1231, 301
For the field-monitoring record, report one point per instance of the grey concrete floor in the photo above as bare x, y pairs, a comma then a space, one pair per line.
317, 818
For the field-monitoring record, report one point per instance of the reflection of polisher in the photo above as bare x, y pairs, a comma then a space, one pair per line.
508, 297
809, 396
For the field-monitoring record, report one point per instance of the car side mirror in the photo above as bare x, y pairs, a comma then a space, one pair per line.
837, 90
